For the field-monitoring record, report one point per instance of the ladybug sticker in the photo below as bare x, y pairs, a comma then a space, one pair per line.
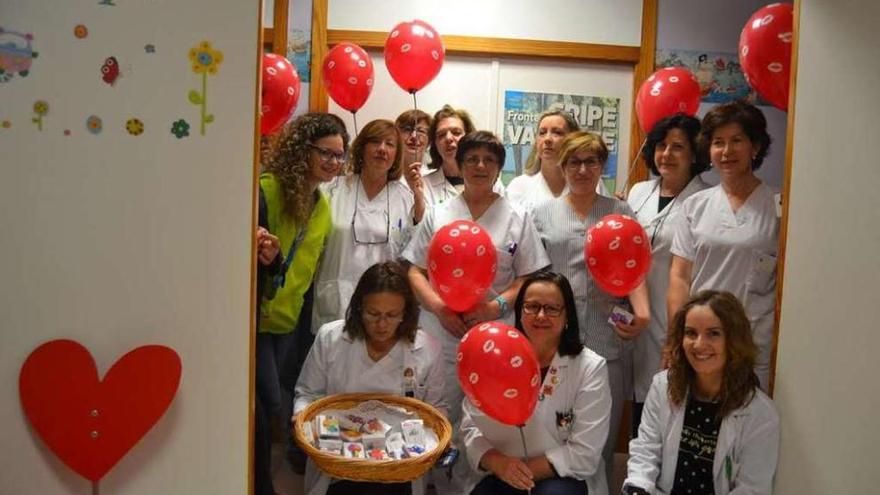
110, 71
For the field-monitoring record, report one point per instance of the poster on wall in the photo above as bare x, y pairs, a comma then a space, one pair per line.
522, 110
719, 74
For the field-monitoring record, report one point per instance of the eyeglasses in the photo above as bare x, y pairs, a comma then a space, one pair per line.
327, 155
550, 310
372, 318
473, 160
354, 216
591, 163
421, 132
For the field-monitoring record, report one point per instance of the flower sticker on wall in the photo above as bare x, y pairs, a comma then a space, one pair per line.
41, 109
94, 124
205, 60
134, 127
180, 128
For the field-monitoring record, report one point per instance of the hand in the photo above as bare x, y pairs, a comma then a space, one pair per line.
483, 311
510, 470
413, 176
631, 331
451, 321
268, 246
621, 195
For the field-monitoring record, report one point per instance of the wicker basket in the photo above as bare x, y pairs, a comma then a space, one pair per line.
388, 471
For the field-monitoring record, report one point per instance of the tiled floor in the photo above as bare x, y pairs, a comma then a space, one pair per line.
289, 483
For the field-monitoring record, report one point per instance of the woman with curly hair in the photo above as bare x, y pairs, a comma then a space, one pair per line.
296, 216
372, 214
706, 428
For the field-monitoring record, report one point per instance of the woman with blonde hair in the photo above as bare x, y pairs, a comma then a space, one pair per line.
372, 213
562, 224
706, 427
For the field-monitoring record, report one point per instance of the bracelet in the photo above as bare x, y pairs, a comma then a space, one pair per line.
502, 306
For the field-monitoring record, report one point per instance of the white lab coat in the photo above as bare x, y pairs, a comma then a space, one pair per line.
644, 199
339, 364
735, 253
438, 190
519, 252
344, 261
530, 191
748, 440
574, 449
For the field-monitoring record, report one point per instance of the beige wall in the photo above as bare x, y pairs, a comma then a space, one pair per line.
827, 372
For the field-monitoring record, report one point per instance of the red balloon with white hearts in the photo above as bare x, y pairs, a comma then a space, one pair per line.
667, 92
461, 264
765, 52
618, 254
348, 75
279, 94
499, 372
414, 54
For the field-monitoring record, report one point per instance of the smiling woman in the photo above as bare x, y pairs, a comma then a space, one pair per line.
724, 429
373, 213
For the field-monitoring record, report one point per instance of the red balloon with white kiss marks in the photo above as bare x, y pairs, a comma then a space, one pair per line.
618, 254
499, 372
765, 52
414, 54
668, 91
348, 75
280, 92
461, 264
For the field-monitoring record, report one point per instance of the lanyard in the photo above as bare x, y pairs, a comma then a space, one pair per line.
281, 277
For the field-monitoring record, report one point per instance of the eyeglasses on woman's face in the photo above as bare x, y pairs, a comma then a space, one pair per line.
534, 308
326, 155
591, 163
409, 130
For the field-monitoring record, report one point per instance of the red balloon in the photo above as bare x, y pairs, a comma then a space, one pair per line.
414, 54
498, 371
89, 422
348, 75
618, 254
765, 52
667, 92
461, 264
280, 92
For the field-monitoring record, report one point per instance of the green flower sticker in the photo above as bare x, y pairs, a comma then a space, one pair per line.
180, 129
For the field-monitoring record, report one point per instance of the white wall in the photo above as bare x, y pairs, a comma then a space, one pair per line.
826, 382
585, 21
118, 241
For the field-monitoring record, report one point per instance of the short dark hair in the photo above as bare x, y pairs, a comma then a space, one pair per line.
570, 344
389, 276
748, 116
444, 113
481, 139
691, 128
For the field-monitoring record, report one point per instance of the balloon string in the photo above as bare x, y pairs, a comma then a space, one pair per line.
522, 436
95, 489
415, 105
355, 119
632, 164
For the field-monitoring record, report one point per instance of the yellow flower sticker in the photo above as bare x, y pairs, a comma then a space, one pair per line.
204, 58
41, 108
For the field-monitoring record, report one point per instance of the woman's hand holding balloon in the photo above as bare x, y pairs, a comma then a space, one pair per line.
508, 469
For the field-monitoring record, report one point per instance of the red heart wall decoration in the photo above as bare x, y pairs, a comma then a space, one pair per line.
90, 423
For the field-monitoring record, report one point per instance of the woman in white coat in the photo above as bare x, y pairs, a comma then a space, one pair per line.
517, 246
728, 235
377, 348
373, 213
566, 433
670, 154
707, 428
